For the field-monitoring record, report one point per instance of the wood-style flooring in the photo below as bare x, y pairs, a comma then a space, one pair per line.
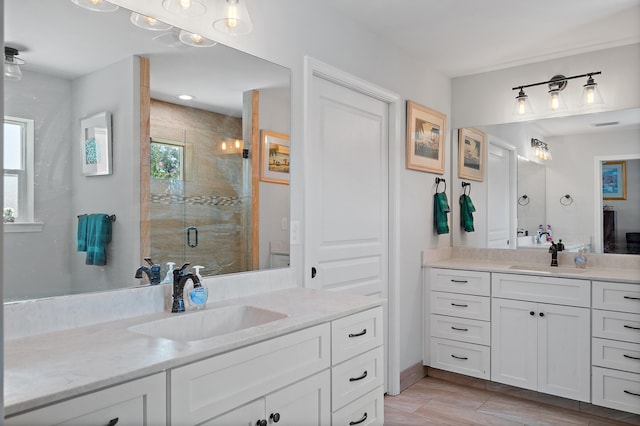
433, 401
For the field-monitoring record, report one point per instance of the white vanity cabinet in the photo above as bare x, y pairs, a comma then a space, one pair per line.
616, 345
136, 403
540, 334
460, 325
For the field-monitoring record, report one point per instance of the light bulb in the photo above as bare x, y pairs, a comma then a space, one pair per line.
232, 16
151, 21
589, 95
555, 104
185, 4
196, 38
96, 2
522, 104
224, 146
237, 144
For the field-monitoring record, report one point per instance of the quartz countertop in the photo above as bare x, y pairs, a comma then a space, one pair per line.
50, 367
625, 275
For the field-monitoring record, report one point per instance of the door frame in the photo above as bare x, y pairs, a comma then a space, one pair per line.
317, 69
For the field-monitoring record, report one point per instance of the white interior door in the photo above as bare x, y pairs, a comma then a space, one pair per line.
347, 196
499, 203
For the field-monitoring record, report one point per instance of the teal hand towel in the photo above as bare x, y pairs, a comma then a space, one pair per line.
83, 220
98, 236
440, 210
466, 213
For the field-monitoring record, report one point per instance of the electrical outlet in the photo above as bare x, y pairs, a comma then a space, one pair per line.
285, 223
294, 236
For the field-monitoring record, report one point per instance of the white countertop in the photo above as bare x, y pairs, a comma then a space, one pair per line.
46, 368
507, 266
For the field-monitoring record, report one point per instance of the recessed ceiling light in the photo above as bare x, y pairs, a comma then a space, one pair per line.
185, 97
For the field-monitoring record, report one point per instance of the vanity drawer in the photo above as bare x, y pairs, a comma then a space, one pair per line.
461, 329
457, 281
205, 389
459, 357
356, 377
461, 305
367, 410
616, 325
545, 289
616, 296
616, 389
355, 334
613, 354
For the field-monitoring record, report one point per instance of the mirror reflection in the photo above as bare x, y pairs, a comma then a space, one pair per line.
565, 191
80, 63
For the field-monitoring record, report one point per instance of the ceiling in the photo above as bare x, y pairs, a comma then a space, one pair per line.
463, 37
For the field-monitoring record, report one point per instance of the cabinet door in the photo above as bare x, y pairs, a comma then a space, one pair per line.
245, 415
564, 351
306, 403
137, 403
514, 343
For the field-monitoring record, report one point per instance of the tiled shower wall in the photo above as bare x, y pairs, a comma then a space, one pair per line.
214, 197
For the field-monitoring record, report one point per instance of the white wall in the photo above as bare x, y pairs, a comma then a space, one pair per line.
114, 89
38, 263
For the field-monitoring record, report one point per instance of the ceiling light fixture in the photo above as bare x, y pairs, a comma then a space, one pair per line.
96, 5
232, 17
12, 64
195, 40
148, 22
590, 94
185, 7
542, 150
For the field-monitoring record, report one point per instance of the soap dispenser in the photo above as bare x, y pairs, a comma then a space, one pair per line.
169, 277
199, 294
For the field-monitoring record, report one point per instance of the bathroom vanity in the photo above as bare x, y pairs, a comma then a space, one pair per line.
318, 361
564, 331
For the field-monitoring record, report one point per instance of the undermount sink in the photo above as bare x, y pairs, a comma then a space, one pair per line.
548, 269
193, 326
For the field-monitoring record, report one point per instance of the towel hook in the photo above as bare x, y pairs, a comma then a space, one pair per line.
466, 185
523, 200
438, 180
566, 200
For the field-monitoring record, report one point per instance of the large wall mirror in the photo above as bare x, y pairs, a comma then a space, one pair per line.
203, 200
565, 191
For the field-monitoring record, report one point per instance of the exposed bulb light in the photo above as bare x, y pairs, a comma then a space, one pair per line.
541, 149
237, 143
185, 7
148, 22
195, 40
590, 94
12, 64
232, 17
556, 85
96, 5
523, 106
223, 146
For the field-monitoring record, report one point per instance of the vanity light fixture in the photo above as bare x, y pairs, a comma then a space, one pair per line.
96, 5
232, 17
12, 64
148, 22
185, 7
541, 149
590, 94
195, 40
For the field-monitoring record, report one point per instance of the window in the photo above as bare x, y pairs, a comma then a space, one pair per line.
167, 159
18, 169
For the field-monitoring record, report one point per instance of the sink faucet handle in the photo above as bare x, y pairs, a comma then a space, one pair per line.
149, 261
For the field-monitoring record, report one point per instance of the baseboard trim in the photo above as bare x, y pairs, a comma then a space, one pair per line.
412, 375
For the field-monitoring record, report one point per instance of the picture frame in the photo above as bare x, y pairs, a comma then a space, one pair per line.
614, 180
96, 144
426, 138
274, 157
472, 147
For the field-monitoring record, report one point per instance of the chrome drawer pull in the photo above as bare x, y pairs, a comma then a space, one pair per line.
632, 393
459, 329
362, 333
631, 298
355, 379
631, 357
631, 327
357, 422
464, 358
460, 281
459, 305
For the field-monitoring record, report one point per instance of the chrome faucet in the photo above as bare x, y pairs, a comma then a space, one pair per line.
179, 281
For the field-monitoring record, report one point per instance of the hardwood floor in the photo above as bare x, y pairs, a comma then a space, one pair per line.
434, 401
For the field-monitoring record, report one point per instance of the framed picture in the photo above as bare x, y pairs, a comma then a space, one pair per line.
96, 144
426, 136
614, 180
274, 157
472, 144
